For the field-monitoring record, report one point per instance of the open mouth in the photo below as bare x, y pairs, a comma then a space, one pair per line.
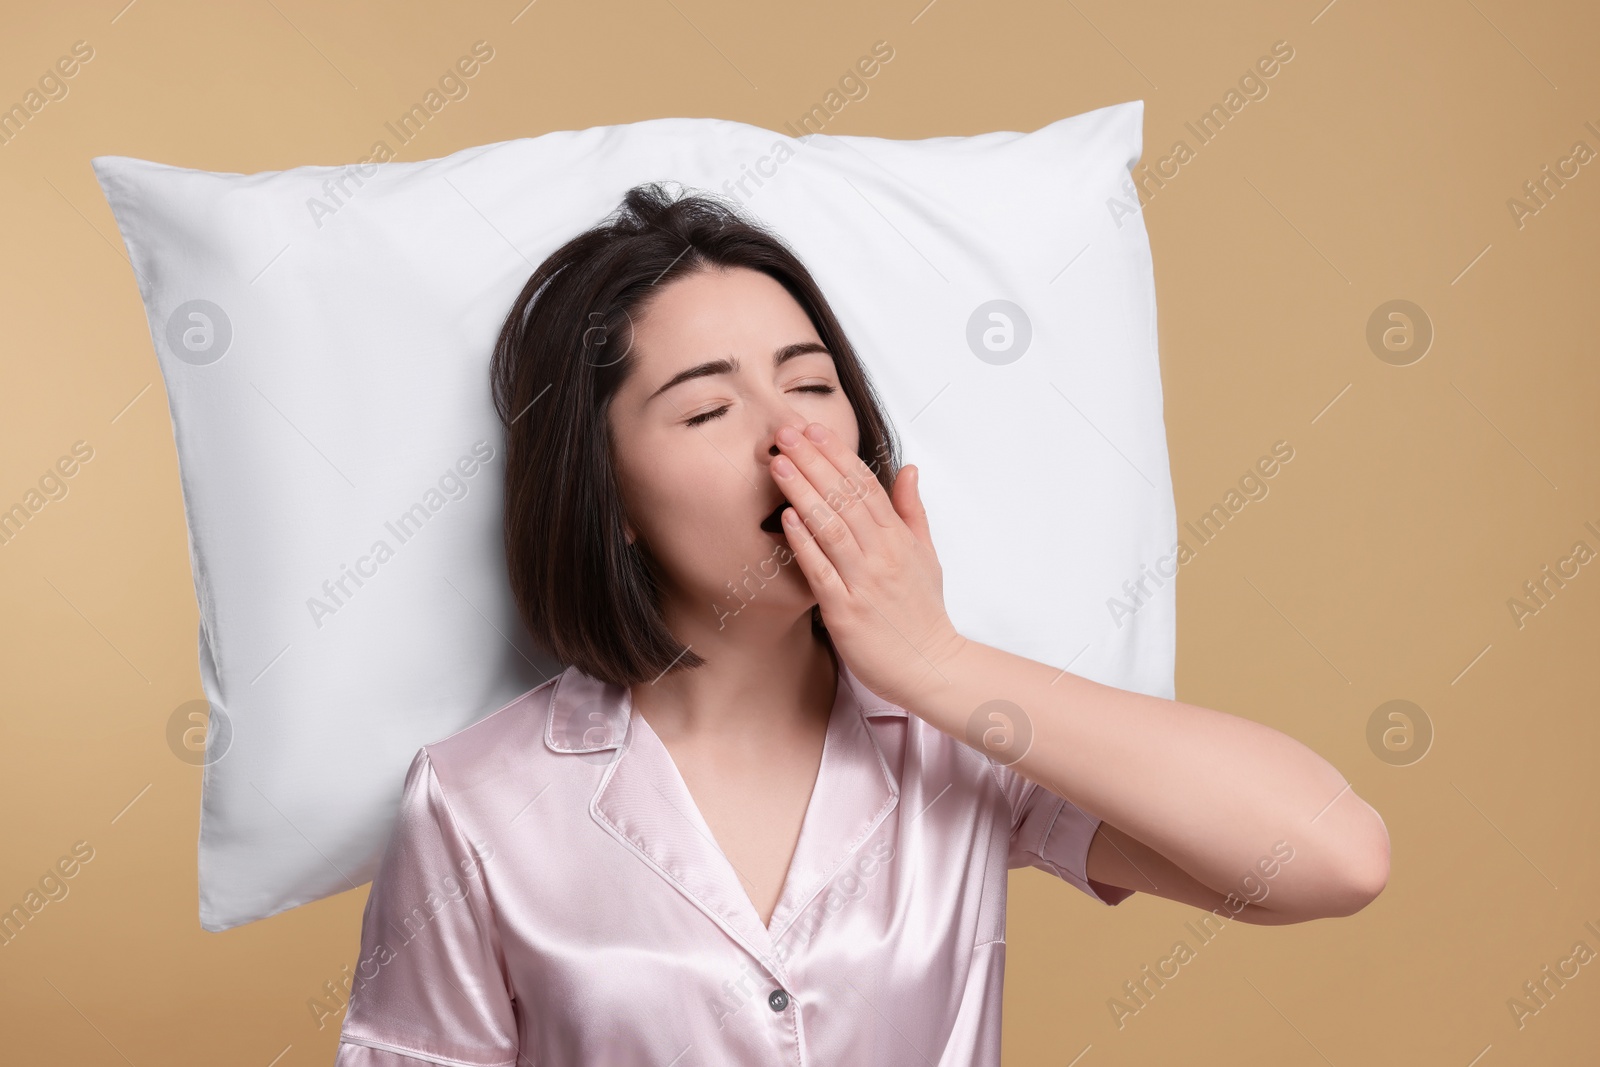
773, 523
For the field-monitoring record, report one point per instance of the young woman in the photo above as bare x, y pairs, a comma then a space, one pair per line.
765, 816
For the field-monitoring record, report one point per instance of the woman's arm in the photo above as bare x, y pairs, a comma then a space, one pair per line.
1115, 857
1200, 804
1220, 797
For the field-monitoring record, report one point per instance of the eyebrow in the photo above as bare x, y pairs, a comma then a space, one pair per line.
729, 366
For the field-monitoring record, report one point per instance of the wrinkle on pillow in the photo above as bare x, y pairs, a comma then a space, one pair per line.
324, 335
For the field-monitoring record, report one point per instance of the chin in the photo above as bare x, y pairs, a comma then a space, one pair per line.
771, 580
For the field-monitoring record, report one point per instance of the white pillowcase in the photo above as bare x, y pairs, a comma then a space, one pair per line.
324, 334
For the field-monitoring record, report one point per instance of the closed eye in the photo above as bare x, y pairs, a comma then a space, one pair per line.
706, 416
718, 412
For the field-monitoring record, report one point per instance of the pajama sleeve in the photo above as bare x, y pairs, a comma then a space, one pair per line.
1053, 834
430, 986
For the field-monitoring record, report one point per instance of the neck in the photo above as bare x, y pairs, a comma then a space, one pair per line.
757, 680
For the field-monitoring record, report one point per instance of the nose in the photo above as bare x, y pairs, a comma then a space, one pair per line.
794, 420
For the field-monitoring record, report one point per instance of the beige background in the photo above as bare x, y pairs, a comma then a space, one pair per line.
1380, 566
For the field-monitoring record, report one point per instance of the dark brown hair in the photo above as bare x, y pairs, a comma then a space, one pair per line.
585, 594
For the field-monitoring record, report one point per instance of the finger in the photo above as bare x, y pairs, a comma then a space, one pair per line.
908, 502
847, 485
821, 574
860, 476
819, 519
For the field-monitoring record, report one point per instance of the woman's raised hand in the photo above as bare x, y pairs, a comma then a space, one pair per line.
869, 560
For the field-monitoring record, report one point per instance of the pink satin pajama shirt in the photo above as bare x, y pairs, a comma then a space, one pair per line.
552, 897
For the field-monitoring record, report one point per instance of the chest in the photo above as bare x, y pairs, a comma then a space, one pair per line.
623, 934
754, 801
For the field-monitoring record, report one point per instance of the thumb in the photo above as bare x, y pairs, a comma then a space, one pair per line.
907, 500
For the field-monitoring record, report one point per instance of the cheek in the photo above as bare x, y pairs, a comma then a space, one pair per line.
645, 479
843, 423
679, 492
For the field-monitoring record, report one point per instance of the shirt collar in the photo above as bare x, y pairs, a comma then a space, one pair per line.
641, 801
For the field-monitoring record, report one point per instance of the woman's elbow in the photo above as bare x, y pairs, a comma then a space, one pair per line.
1355, 872
1370, 870
1362, 874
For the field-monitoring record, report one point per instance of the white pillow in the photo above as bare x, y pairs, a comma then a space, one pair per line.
324, 334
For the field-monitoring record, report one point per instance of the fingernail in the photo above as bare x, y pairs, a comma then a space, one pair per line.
788, 436
816, 432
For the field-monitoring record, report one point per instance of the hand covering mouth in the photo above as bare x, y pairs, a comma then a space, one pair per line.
773, 523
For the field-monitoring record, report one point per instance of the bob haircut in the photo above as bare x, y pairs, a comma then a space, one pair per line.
585, 594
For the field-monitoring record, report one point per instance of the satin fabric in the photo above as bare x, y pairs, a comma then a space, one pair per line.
551, 896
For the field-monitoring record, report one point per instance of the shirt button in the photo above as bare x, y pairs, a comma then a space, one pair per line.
777, 1000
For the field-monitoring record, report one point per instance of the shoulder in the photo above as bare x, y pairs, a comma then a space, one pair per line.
509, 736
914, 746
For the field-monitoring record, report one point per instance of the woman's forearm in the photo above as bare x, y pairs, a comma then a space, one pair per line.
1212, 792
